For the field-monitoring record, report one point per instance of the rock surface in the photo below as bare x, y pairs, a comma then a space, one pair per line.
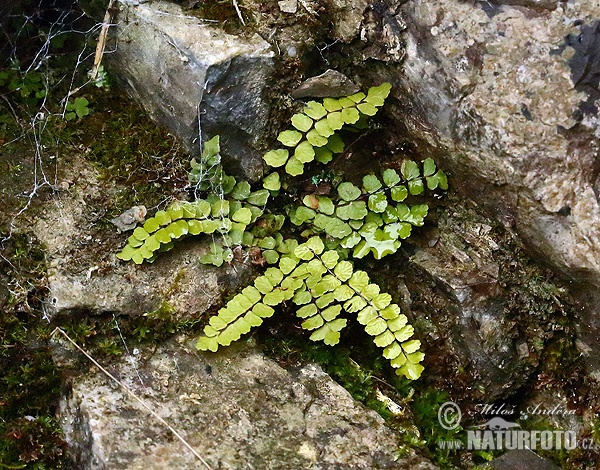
236, 408
507, 104
192, 76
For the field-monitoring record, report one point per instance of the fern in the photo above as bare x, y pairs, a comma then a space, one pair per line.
321, 286
314, 276
314, 137
374, 218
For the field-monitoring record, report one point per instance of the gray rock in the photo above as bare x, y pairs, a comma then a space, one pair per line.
523, 459
460, 274
494, 98
288, 6
236, 408
130, 218
329, 84
191, 76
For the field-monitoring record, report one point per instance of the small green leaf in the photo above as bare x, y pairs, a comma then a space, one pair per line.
392, 312
260, 197
404, 333
381, 301
330, 313
276, 158
302, 297
376, 326
348, 192
206, 343
384, 339
367, 315
263, 285
294, 167
415, 357
211, 148
416, 187
126, 253
323, 128
315, 244
316, 139
331, 104
323, 300
335, 121
399, 193
371, 183
411, 371
355, 304
377, 95
350, 115
262, 310
315, 110
330, 258
162, 218
343, 293
140, 234
392, 351
344, 270
411, 346
241, 190
356, 210
220, 208
323, 155
203, 209
312, 322
306, 311
289, 138
378, 202
367, 109
410, 170
275, 297
271, 182
390, 177
267, 243
151, 225
357, 97
302, 122
243, 216
332, 226
325, 205
287, 264
151, 243
302, 214
359, 280
428, 167
175, 211
304, 152
253, 319
270, 256
335, 143
351, 240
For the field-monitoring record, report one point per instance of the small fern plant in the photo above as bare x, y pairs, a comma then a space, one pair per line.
308, 244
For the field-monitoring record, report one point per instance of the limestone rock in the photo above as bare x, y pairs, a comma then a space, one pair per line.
191, 77
462, 277
497, 97
331, 83
523, 459
236, 408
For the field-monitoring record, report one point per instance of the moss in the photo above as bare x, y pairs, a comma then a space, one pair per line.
30, 383
142, 159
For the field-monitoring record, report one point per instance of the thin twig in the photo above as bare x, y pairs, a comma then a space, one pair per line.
102, 40
239, 13
133, 395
